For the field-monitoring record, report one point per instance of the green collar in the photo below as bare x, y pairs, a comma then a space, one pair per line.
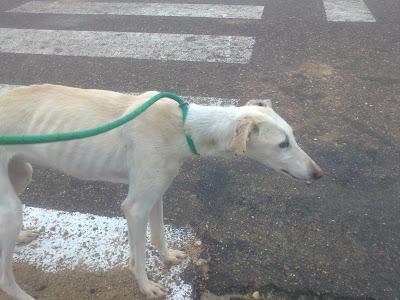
185, 109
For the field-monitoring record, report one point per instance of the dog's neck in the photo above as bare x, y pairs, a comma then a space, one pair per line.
211, 128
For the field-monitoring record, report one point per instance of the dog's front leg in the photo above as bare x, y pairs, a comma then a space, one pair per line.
144, 191
169, 256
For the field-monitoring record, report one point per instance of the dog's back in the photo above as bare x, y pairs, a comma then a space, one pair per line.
39, 109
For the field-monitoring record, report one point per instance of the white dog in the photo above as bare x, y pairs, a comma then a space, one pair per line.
146, 153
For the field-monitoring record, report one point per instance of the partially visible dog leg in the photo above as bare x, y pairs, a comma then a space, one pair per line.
10, 226
26, 236
169, 256
20, 173
144, 192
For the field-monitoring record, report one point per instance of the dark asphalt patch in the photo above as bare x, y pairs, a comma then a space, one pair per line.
334, 240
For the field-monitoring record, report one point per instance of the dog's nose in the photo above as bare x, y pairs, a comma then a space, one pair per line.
317, 173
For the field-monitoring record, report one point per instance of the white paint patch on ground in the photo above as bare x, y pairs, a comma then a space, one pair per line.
96, 243
347, 11
211, 101
136, 45
143, 9
191, 99
4, 88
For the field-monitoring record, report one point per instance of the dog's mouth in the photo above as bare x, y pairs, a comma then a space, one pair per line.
294, 177
290, 174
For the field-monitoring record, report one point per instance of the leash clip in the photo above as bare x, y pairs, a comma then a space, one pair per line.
184, 104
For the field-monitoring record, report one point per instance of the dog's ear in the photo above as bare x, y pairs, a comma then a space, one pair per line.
264, 103
243, 128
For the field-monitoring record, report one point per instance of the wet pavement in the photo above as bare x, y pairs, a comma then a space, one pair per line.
337, 84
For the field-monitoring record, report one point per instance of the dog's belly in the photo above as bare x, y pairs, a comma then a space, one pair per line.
88, 163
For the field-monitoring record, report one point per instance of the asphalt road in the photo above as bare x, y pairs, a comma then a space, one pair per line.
337, 83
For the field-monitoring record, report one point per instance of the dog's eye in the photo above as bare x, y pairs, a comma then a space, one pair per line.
284, 144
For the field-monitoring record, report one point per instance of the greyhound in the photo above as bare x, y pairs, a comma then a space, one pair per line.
145, 153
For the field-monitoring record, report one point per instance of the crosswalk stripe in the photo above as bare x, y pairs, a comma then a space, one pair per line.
7, 87
96, 243
144, 9
137, 45
347, 11
191, 99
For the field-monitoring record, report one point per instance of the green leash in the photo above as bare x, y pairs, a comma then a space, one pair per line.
74, 135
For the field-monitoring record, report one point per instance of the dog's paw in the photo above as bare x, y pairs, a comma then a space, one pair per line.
27, 236
153, 290
174, 257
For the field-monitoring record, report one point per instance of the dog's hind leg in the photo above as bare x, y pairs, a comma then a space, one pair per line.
169, 256
10, 226
20, 173
26, 236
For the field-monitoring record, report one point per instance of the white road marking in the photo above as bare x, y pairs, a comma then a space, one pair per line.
143, 9
137, 45
211, 101
4, 88
347, 11
71, 239
191, 99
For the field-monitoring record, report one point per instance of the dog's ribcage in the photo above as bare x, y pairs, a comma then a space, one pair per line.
102, 157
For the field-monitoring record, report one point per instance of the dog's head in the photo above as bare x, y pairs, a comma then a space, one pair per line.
264, 136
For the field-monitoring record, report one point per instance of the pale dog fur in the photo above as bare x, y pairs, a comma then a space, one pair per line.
145, 153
